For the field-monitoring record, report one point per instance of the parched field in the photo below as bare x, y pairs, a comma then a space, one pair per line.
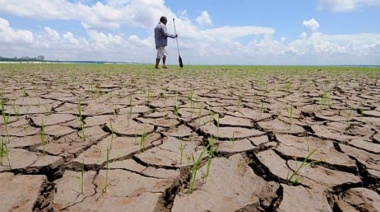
227, 138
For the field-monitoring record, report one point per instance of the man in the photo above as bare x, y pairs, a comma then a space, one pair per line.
161, 38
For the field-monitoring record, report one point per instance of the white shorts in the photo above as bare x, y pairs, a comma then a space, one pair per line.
161, 52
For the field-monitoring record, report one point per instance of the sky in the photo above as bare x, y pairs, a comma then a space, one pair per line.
211, 32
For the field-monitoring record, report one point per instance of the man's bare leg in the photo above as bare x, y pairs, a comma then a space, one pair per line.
164, 62
157, 62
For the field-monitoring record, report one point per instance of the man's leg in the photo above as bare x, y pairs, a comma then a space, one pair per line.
158, 57
157, 62
164, 62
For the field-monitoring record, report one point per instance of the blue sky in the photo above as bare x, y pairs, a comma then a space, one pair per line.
246, 32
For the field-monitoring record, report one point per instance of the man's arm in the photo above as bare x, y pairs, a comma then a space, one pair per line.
166, 33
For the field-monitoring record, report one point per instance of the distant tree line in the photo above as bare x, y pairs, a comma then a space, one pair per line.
24, 58
41, 58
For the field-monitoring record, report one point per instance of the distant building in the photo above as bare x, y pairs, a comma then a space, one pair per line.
41, 58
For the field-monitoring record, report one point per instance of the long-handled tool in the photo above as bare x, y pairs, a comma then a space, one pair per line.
179, 55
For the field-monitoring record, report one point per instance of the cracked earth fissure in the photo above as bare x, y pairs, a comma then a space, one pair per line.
139, 144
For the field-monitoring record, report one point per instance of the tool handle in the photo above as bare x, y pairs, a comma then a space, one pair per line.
176, 39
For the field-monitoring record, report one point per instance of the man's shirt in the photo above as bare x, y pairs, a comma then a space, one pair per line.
161, 35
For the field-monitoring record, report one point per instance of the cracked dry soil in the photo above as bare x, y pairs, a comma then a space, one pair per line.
120, 138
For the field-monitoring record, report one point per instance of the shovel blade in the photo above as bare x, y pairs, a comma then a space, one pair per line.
180, 62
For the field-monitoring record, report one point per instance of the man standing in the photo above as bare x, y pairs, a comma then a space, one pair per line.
161, 38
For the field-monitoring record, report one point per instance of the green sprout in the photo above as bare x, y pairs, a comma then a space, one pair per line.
42, 136
181, 148
295, 178
142, 140
81, 178
210, 157
176, 107
5, 116
195, 168
112, 134
290, 111
106, 186
4, 151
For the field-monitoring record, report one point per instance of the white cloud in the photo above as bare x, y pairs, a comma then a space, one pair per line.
102, 41
182, 14
204, 19
52, 34
118, 3
311, 24
9, 35
134, 39
69, 37
345, 5
108, 15
228, 33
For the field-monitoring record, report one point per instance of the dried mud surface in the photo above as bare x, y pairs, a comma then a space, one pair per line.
106, 138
